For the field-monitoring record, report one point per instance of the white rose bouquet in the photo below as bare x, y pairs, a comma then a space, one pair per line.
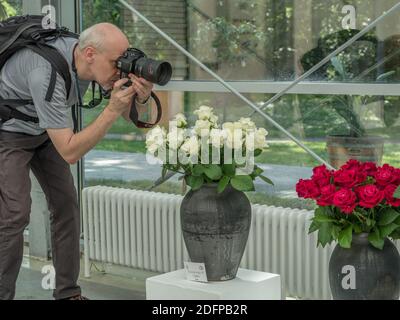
208, 153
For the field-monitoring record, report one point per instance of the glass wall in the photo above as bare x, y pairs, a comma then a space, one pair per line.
10, 8
259, 46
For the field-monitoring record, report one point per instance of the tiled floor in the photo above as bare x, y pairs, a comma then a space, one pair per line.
117, 284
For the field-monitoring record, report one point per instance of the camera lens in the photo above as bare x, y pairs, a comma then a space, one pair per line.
155, 71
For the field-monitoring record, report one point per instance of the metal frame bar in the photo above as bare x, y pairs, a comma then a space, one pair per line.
331, 88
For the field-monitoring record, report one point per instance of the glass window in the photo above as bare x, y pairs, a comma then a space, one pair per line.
10, 8
261, 44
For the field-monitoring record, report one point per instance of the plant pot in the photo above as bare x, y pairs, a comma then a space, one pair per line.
215, 229
364, 272
342, 148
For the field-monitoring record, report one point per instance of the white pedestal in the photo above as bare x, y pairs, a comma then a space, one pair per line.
248, 285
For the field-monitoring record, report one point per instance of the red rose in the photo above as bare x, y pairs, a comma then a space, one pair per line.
351, 164
327, 193
389, 191
397, 175
369, 168
322, 176
385, 175
345, 199
345, 178
307, 189
369, 195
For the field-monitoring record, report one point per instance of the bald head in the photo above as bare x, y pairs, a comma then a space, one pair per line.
102, 36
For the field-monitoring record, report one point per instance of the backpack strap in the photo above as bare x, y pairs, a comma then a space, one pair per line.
10, 41
59, 65
7, 113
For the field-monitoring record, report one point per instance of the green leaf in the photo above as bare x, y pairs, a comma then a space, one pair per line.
242, 183
369, 222
322, 215
397, 221
266, 179
387, 216
376, 240
338, 65
395, 234
357, 228
324, 218
315, 225
387, 230
229, 170
257, 171
194, 182
213, 171
386, 75
396, 194
257, 152
198, 170
322, 211
325, 234
345, 237
223, 183
335, 231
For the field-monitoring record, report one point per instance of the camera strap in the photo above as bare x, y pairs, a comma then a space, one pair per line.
134, 116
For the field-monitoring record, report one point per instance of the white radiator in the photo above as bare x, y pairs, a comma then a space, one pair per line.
142, 230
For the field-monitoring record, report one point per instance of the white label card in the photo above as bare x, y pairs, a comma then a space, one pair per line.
195, 271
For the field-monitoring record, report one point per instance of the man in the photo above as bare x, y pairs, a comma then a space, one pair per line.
50, 146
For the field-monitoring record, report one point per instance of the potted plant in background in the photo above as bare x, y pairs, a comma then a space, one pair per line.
358, 208
356, 144
218, 164
357, 63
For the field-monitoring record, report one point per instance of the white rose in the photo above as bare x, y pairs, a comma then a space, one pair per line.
175, 138
233, 138
152, 148
234, 127
247, 124
155, 138
180, 120
202, 127
250, 140
217, 137
260, 140
191, 146
213, 119
204, 113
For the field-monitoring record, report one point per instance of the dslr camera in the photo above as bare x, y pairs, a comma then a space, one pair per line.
135, 61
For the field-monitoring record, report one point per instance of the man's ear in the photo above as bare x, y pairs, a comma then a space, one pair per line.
89, 53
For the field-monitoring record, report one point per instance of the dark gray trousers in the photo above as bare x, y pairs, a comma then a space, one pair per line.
18, 155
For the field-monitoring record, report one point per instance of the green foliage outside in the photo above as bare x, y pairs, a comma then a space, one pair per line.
8, 9
95, 11
278, 152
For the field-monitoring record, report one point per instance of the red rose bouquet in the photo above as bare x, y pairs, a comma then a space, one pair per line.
357, 198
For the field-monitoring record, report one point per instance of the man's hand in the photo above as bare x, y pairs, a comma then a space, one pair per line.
142, 87
121, 99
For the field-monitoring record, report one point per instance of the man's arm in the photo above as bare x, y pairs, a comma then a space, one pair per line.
72, 146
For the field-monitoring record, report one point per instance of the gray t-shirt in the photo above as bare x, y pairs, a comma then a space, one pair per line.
26, 75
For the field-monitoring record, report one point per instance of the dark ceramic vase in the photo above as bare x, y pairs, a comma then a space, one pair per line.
216, 228
364, 272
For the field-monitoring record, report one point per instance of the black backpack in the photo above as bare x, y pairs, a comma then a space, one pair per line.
28, 32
